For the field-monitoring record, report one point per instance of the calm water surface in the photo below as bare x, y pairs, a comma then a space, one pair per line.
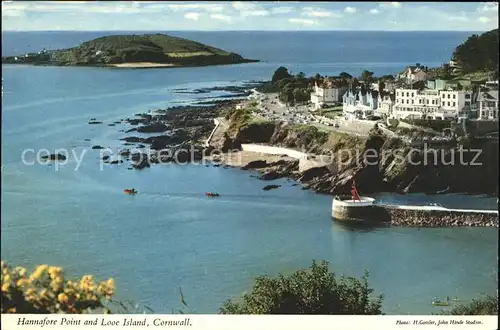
170, 236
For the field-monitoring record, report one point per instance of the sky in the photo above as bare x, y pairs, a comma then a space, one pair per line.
227, 16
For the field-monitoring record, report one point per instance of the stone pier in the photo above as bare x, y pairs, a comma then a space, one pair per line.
365, 211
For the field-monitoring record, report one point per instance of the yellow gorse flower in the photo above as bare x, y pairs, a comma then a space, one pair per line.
5, 287
21, 271
62, 298
46, 290
21, 282
38, 272
55, 272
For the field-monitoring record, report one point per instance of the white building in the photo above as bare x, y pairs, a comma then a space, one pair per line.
435, 104
412, 74
488, 105
327, 93
385, 102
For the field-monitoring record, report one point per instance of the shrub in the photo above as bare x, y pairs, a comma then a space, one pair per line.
311, 291
46, 290
483, 306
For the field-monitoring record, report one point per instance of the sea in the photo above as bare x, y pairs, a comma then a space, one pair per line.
169, 237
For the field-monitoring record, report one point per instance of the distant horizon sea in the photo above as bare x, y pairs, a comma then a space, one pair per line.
169, 235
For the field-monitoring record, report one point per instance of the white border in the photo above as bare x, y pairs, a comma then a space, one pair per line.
260, 322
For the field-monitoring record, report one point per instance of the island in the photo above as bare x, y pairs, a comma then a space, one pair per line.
132, 51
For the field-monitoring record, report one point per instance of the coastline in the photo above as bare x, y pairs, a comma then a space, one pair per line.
142, 65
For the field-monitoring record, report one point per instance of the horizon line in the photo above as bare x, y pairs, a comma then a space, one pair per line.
164, 30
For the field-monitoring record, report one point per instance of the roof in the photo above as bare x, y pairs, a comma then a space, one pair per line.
330, 83
489, 95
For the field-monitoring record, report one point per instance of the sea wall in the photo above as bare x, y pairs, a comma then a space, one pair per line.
440, 218
398, 216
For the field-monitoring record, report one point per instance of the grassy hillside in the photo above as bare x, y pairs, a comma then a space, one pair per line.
478, 53
155, 48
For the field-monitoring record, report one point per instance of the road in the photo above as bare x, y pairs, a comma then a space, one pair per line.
272, 109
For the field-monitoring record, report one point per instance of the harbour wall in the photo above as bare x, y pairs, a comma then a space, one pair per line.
414, 216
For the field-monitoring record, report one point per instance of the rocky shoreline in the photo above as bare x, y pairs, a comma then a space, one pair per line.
177, 135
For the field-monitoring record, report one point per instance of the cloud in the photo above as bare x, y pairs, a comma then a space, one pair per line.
191, 6
488, 7
461, 17
281, 10
319, 12
192, 16
484, 19
302, 21
221, 17
250, 9
374, 11
350, 10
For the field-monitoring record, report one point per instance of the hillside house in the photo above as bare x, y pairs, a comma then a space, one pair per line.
413, 74
327, 93
488, 105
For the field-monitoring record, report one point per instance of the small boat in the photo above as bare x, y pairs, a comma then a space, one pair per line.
440, 303
211, 194
130, 191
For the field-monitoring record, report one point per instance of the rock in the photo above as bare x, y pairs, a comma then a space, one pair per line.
140, 146
153, 128
124, 152
105, 157
271, 186
255, 164
86, 140
132, 139
111, 124
97, 147
312, 173
116, 161
216, 165
142, 162
54, 157
270, 175
131, 130
95, 122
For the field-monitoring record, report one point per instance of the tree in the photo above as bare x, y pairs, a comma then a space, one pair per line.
484, 306
367, 77
317, 76
279, 74
345, 75
307, 291
301, 75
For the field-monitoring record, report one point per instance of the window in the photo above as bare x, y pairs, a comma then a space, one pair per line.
448, 96
443, 103
412, 94
448, 102
454, 96
411, 101
467, 96
454, 104
407, 94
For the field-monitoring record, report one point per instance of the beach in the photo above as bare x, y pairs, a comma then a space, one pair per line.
142, 65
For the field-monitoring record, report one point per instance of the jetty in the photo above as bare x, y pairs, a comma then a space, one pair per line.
365, 210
